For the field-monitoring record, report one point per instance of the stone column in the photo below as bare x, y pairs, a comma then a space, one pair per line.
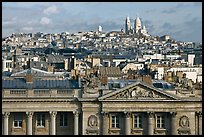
173, 123
200, 123
53, 115
6, 122
127, 123
150, 123
76, 122
105, 123
29, 123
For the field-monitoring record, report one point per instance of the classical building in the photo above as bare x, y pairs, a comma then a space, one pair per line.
34, 106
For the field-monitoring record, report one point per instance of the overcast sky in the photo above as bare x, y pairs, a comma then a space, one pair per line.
181, 20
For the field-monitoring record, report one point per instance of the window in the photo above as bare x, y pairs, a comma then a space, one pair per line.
115, 120
40, 120
63, 119
18, 118
8, 64
160, 121
137, 121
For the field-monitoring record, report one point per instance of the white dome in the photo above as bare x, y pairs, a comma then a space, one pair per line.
138, 25
138, 21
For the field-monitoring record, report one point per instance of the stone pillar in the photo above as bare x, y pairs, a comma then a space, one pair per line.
200, 123
29, 122
76, 122
127, 123
105, 123
6, 122
53, 115
150, 123
173, 123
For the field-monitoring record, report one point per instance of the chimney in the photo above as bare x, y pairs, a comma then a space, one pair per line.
79, 81
29, 77
104, 80
147, 79
29, 64
50, 68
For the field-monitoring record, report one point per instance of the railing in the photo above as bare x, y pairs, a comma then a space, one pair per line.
16, 93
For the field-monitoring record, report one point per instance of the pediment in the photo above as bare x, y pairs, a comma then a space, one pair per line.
138, 91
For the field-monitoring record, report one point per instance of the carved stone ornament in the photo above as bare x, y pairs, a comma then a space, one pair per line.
199, 114
184, 123
160, 131
91, 82
114, 130
105, 114
90, 91
136, 93
136, 130
92, 121
92, 125
150, 114
6, 114
173, 114
29, 114
127, 114
53, 114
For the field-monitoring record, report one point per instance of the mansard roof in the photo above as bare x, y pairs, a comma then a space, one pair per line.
20, 83
36, 73
110, 71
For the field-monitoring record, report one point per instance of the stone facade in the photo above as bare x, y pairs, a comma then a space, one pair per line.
137, 109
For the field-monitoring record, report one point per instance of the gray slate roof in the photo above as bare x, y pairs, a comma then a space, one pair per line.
20, 83
110, 71
36, 73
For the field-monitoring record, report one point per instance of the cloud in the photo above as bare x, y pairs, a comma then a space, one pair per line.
150, 11
197, 4
149, 26
8, 22
32, 4
167, 25
27, 29
50, 10
169, 11
111, 25
175, 8
190, 30
44, 21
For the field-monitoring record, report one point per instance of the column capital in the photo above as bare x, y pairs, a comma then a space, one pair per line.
150, 114
53, 113
127, 114
76, 113
199, 113
29, 114
6, 114
173, 114
104, 114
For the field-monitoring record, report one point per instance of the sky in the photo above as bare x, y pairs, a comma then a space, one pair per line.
180, 20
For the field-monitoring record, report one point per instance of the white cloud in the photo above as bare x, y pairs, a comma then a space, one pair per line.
28, 29
9, 21
44, 21
50, 10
